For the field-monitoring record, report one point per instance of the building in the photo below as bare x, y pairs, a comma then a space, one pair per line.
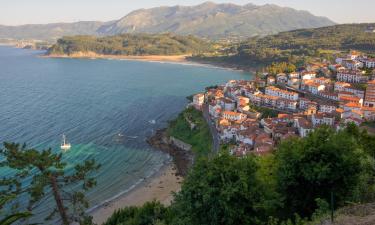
340, 86
370, 63
312, 87
277, 92
327, 108
351, 76
308, 75
233, 116
370, 95
198, 101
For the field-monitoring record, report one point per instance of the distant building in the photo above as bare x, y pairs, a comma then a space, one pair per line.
370, 95
198, 101
351, 76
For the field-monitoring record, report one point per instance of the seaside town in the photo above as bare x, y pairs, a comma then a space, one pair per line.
320, 94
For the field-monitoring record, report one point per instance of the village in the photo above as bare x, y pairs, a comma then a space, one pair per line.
320, 94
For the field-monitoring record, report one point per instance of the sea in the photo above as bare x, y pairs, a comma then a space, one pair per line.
106, 109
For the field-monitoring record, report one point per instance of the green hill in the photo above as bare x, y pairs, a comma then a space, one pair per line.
295, 45
131, 44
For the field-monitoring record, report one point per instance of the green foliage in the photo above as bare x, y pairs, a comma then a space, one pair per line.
283, 67
311, 168
265, 112
223, 190
199, 137
48, 178
151, 213
285, 188
298, 47
132, 44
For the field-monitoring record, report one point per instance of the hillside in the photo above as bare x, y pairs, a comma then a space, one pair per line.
131, 44
49, 32
215, 20
206, 20
297, 45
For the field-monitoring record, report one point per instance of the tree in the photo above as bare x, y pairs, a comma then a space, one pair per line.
48, 177
313, 167
151, 213
223, 190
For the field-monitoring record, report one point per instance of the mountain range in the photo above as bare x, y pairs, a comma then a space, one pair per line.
208, 20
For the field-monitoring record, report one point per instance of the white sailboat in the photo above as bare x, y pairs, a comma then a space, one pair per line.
64, 144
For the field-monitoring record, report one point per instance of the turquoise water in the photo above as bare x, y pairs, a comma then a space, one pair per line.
92, 101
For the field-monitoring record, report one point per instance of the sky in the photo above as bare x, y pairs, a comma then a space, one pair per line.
17, 12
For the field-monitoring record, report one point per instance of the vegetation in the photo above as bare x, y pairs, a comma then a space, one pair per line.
49, 178
131, 44
291, 186
297, 47
198, 136
265, 112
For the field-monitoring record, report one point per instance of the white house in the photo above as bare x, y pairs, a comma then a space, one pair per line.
233, 116
351, 76
277, 92
198, 101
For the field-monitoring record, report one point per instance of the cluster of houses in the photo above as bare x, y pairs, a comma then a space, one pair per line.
302, 99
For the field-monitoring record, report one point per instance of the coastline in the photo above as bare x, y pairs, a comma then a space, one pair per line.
159, 187
173, 59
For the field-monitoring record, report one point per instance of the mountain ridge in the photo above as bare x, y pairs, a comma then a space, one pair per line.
208, 20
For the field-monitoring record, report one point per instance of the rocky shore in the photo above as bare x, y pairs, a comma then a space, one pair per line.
182, 159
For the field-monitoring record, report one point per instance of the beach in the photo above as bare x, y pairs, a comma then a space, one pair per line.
160, 187
148, 58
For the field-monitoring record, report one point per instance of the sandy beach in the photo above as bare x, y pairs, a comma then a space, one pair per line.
148, 58
158, 187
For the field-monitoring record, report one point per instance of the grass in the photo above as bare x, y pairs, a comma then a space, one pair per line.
200, 137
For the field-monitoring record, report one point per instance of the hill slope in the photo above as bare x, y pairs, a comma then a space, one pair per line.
206, 20
130, 44
215, 20
51, 31
294, 46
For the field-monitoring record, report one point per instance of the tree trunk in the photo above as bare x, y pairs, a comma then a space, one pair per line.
58, 200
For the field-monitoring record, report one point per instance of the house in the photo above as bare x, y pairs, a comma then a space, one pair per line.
304, 126
233, 116
294, 83
327, 108
356, 91
340, 86
370, 63
304, 103
368, 113
313, 87
271, 80
322, 119
351, 106
226, 104
282, 103
351, 76
198, 101
281, 78
370, 95
214, 110
329, 95
308, 75
277, 92
352, 64
294, 75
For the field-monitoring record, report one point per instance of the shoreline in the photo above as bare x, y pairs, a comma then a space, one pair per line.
160, 187
172, 59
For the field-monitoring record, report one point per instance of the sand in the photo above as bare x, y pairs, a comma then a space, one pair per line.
159, 187
148, 58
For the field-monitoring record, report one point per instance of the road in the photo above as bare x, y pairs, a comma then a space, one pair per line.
215, 136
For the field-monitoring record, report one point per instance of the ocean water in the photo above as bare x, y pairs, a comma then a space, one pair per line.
105, 108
